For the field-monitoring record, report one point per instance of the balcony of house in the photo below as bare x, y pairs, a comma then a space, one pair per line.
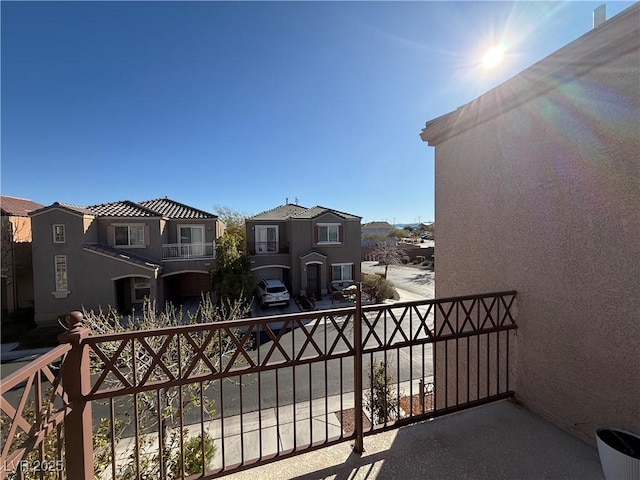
188, 251
267, 248
416, 390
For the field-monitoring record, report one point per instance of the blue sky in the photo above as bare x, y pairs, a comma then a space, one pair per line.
244, 104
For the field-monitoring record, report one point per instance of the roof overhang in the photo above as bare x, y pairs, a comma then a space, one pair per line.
616, 37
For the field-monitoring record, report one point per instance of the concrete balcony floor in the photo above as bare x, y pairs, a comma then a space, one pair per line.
495, 441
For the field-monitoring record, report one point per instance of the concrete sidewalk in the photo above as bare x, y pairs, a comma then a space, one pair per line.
266, 432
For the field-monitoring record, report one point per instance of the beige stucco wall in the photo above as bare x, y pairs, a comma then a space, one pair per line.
544, 199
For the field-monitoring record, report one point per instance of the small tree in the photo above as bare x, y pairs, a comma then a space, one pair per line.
231, 276
388, 254
380, 400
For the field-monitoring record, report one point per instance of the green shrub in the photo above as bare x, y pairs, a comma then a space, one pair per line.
378, 288
193, 456
380, 400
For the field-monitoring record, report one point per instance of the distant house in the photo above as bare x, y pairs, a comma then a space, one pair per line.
17, 270
537, 189
309, 249
375, 232
116, 254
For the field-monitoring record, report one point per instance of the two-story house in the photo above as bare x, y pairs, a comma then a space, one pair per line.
17, 271
309, 249
116, 254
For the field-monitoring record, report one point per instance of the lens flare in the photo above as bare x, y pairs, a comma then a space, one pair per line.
494, 56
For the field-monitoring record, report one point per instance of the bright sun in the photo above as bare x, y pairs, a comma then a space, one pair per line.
493, 57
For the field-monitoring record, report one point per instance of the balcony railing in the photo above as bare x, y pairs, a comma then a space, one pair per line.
277, 392
186, 251
265, 248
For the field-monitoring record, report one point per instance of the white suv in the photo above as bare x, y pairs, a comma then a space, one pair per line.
272, 291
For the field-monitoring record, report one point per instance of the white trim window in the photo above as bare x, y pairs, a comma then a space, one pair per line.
191, 240
62, 284
341, 272
141, 289
129, 235
58, 233
266, 239
328, 233
191, 233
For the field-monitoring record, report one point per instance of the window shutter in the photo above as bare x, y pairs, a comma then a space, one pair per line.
353, 272
111, 235
330, 273
316, 229
341, 231
146, 235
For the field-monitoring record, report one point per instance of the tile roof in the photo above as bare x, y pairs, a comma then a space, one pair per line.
161, 207
77, 208
64, 206
123, 208
318, 210
172, 209
280, 213
289, 210
19, 207
121, 255
377, 225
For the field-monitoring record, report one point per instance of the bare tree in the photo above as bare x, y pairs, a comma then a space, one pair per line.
388, 254
157, 410
234, 222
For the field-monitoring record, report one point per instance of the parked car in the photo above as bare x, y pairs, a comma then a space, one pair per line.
272, 291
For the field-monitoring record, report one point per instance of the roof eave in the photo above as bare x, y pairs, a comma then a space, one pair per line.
592, 50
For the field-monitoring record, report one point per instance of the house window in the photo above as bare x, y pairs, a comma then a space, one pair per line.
58, 234
61, 273
129, 235
141, 289
191, 234
342, 272
266, 239
329, 233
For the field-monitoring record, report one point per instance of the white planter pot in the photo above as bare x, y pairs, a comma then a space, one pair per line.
619, 452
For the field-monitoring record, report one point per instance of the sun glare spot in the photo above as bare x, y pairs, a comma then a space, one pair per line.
493, 57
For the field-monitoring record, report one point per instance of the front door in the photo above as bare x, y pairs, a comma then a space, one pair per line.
313, 280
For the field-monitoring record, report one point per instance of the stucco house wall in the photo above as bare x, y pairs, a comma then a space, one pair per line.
543, 198
153, 237
44, 250
170, 229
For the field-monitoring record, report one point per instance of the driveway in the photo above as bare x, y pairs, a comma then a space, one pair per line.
412, 283
258, 311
